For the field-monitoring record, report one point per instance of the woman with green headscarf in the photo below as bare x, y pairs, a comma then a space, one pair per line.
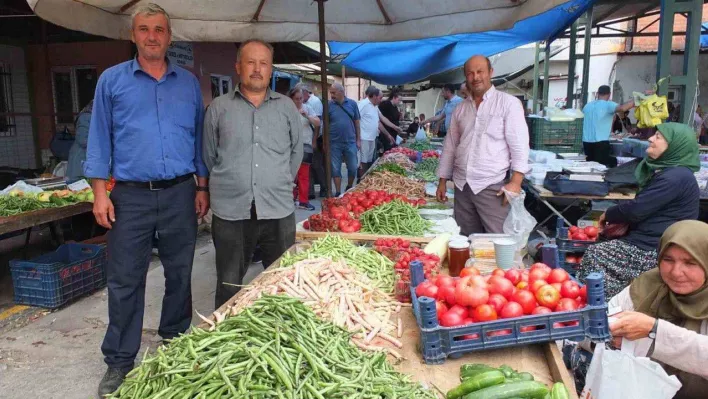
665, 311
668, 193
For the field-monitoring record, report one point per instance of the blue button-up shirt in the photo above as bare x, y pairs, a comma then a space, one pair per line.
449, 108
143, 129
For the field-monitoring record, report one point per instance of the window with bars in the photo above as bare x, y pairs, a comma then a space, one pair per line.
7, 120
73, 88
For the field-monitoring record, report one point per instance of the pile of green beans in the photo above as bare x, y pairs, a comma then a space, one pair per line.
426, 170
277, 348
420, 145
376, 266
394, 218
391, 167
10, 205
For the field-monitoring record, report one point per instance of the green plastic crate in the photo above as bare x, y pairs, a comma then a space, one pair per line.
558, 137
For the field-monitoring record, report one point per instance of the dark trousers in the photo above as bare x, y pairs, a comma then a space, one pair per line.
235, 241
317, 172
139, 214
600, 152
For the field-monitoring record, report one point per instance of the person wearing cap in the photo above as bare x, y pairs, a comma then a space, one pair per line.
597, 126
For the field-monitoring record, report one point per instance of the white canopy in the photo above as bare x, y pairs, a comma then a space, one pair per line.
297, 20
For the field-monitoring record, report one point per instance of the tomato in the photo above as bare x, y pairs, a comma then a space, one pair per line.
426, 289
367, 203
557, 286
500, 285
539, 265
526, 300
338, 212
467, 321
513, 275
469, 336
547, 296
355, 224
571, 259
451, 319
524, 285
447, 293
421, 202
499, 333
582, 237
511, 310
558, 325
558, 276
469, 271
498, 272
443, 280
591, 231
566, 304
573, 230
584, 293
478, 281
570, 289
461, 310
541, 310
485, 313
471, 295
359, 209
536, 285
539, 274
525, 276
306, 225
527, 328
497, 302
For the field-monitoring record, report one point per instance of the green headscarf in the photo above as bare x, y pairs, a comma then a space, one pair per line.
650, 294
682, 151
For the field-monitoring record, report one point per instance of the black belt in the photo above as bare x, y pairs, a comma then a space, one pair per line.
157, 184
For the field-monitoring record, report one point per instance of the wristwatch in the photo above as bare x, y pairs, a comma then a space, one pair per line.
203, 188
652, 333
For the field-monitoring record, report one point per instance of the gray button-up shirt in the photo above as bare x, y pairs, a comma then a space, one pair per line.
252, 154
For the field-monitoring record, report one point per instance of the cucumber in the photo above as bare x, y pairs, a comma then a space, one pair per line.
524, 389
473, 372
524, 376
473, 366
559, 391
508, 371
480, 381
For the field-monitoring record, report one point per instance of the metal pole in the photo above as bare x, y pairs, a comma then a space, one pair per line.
535, 79
587, 55
325, 102
546, 75
570, 93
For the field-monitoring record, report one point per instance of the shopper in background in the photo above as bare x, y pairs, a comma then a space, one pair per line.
369, 127
451, 102
391, 118
413, 127
146, 130
597, 127
344, 136
317, 172
668, 193
310, 125
77, 154
253, 147
488, 141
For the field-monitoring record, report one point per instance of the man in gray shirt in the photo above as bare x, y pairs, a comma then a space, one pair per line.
253, 149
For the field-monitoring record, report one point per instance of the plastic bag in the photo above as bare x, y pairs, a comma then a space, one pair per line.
619, 374
21, 186
651, 110
420, 136
519, 223
399, 140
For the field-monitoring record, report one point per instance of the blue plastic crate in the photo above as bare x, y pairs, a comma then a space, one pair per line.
437, 342
56, 278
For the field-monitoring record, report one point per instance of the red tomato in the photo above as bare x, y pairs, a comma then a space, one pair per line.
525, 276
591, 231
566, 304
548, 296
511, 310
557, 286
444, 280
558, 325
497, 301
359, 209
500, 285
499, 333
451, 319
539, 265
524, 285
541, 310
469, 271
572, 323
570, 289
471, 295
356, 225
306, 225
498, 272
573, 229
427, 289
461, 310
539, 274
584, 293
478, 281
582, 237
558, 276
571, 259
527, 328
441, 308
485, 313
536, 285
513, 275
469, 336
367, 203
467, 321
447, 293
526, 300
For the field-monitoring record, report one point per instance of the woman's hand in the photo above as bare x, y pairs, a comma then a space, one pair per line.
602, 221
632, 325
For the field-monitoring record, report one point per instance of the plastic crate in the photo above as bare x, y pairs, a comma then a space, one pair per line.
557, 137
437, 343
53, 279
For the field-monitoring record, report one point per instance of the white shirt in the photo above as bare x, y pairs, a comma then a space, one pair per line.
369, 122
315, 105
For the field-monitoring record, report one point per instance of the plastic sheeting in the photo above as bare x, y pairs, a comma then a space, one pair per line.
402, 62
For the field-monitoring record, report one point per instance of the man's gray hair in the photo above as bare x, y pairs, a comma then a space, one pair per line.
338, 87
292, 92
150, 9
372, 91
249, 41
304, 87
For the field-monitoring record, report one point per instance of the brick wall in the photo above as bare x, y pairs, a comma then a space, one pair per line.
18, 151
652, 43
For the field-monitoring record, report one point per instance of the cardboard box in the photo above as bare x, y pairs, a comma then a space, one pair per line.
592, 218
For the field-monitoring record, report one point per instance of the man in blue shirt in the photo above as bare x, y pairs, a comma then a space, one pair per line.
597, 126
344, 136
146, 130
451, 102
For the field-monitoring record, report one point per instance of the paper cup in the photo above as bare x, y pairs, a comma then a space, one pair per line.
504, 253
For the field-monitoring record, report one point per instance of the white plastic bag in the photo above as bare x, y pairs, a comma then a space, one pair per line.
21, 186
519, 223
619, 374
399, 140
421, 136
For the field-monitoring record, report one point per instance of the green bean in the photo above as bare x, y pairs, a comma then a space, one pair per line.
394, 218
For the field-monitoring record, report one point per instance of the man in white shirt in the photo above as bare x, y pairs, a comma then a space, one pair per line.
369, 125
317, 172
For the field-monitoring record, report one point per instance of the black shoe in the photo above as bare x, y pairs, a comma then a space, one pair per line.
323, 194
256, 256
311, 196
337, 195
111, 381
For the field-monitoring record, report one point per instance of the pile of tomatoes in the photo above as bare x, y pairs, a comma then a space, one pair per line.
361, 201
575, 259
503, 295
403, 150
583, 234
430, 154
402, 252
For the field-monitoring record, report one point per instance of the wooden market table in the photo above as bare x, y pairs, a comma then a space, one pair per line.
544, 361
28, 220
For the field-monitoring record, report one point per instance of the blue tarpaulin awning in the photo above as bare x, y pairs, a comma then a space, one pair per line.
395, 63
